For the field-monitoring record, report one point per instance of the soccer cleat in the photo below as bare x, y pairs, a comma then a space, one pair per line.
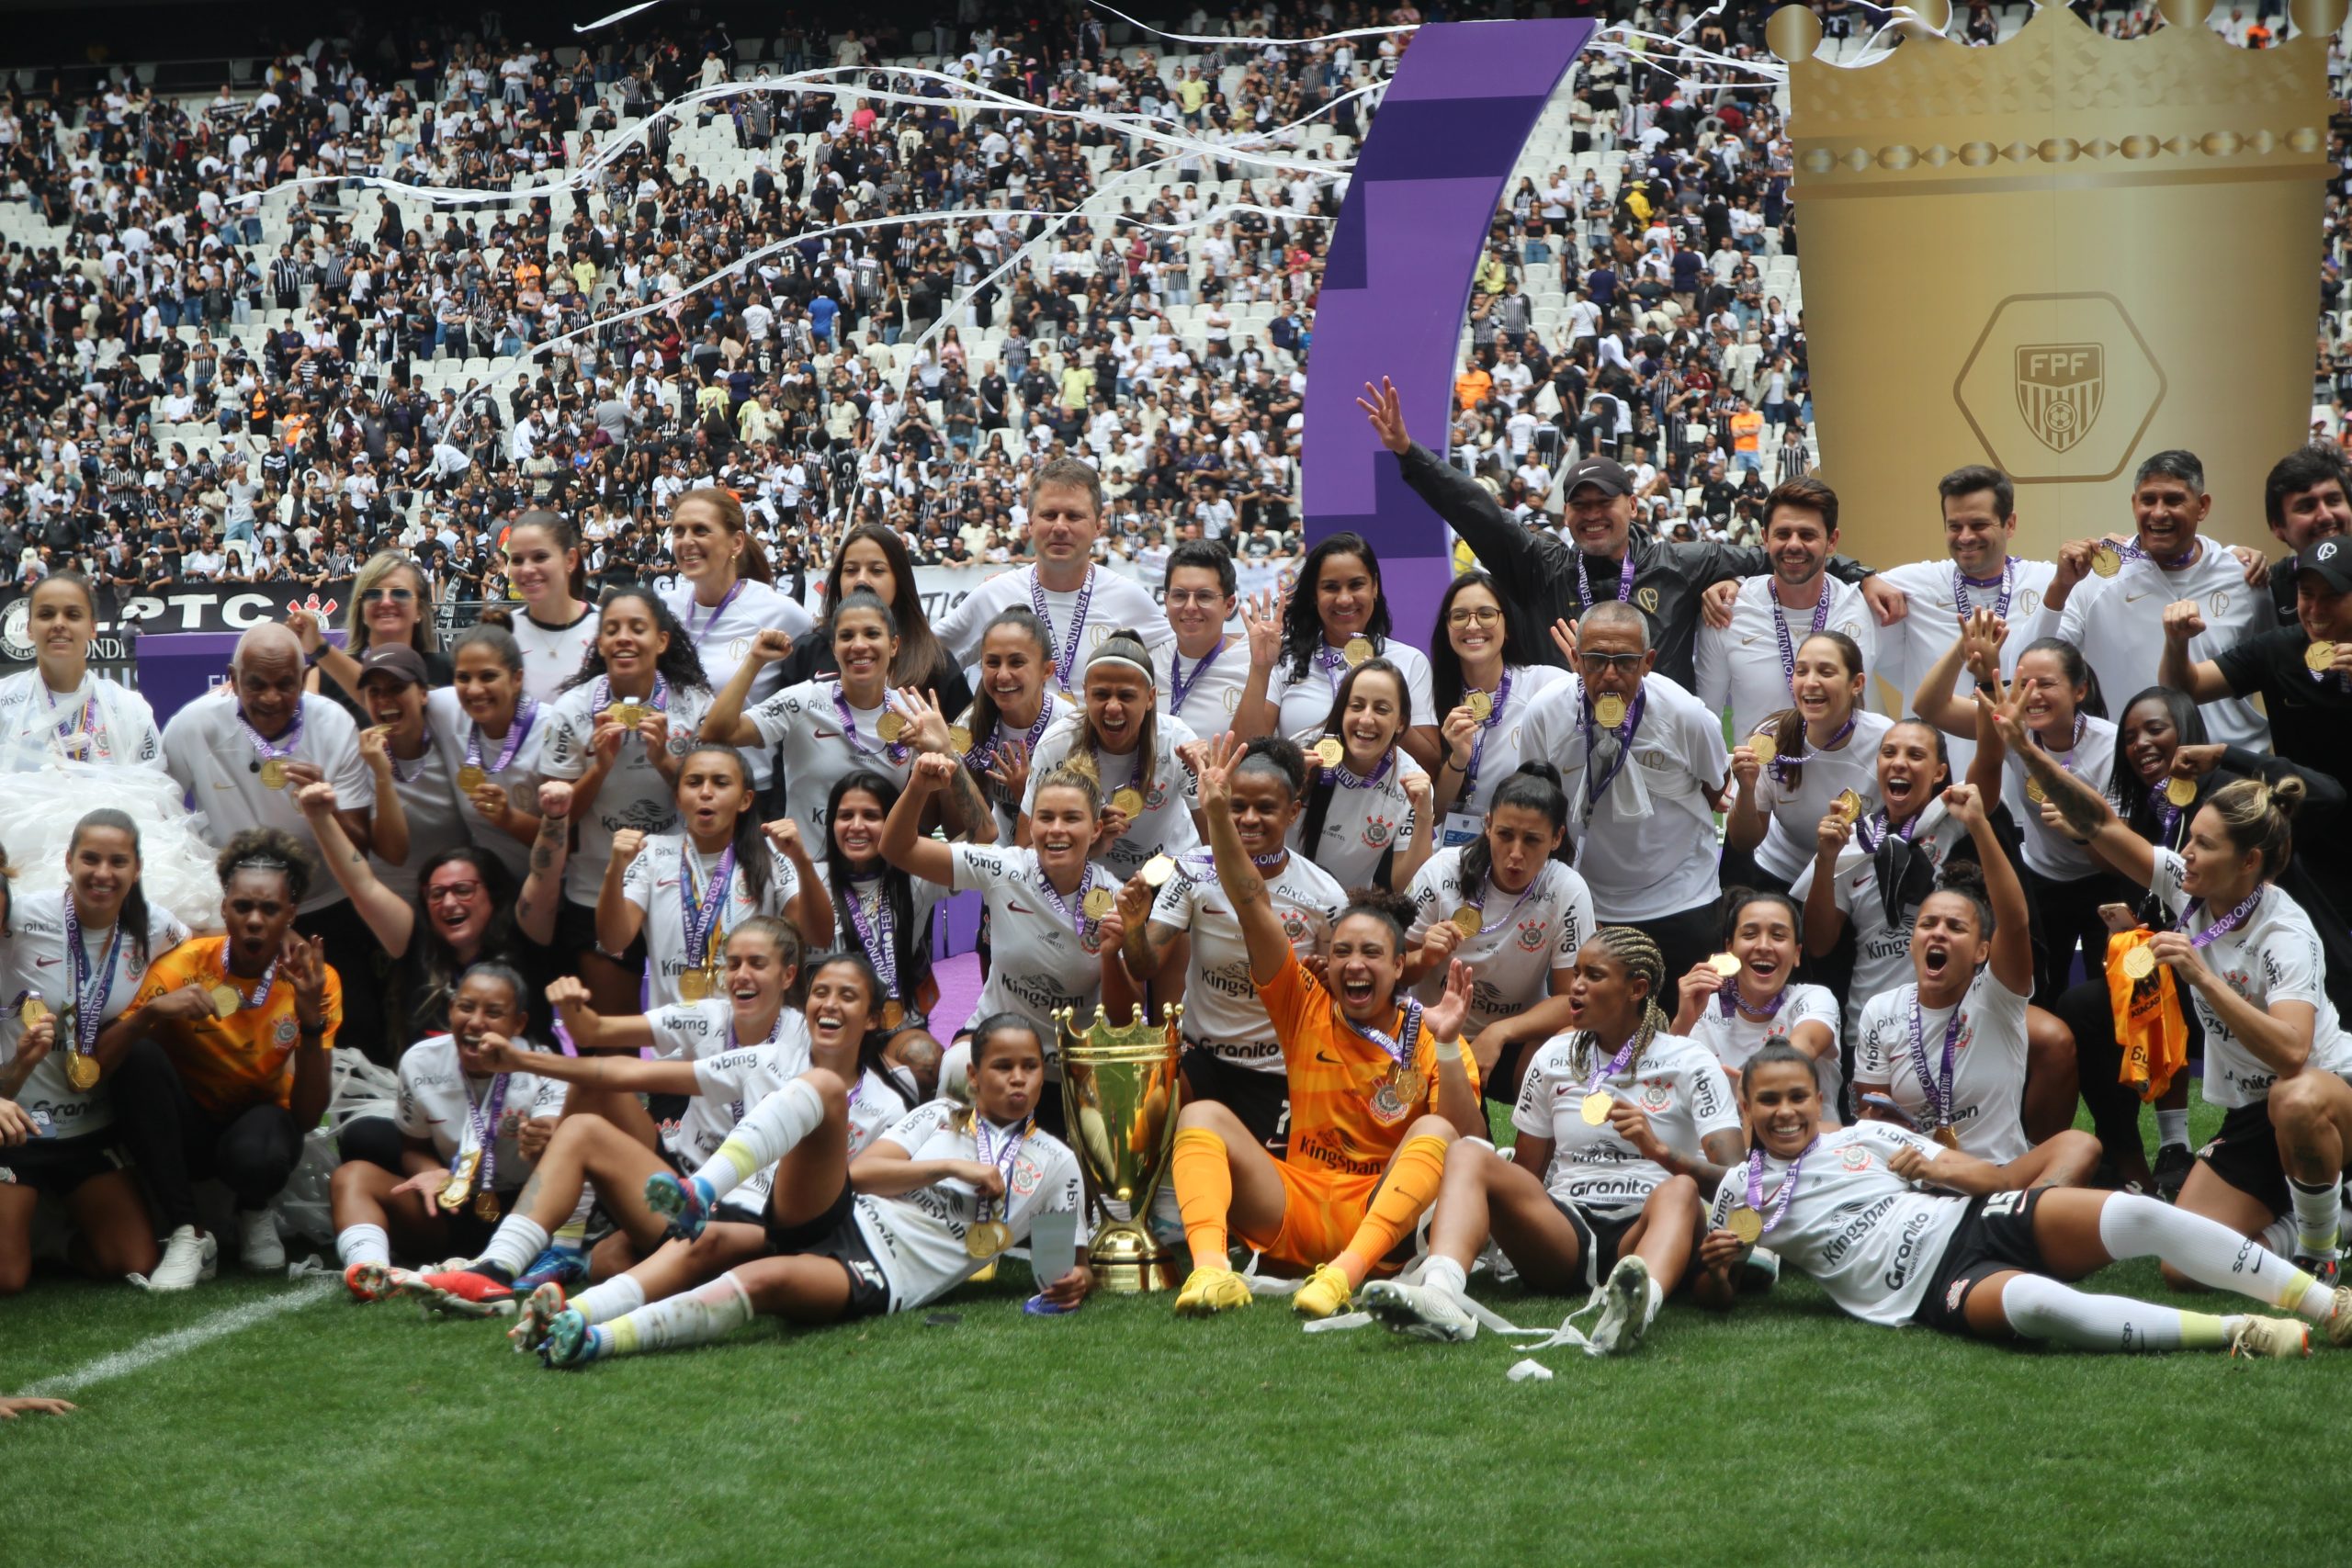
555, 1265
1210, 1290
540, 1309
460, 1293
258, 1247
567, 1341
2173, 1162
1624, 1308
2288, 1339
1419, 1311
189, 1259
683, 1206
368, 1282
1325, 1294
2340, 1317
2327, 1271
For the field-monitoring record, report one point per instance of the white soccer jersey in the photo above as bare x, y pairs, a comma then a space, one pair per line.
1741, 668
651, 883
1526, 936
1792, 813
1212, 689
866, 891
1647, 845
633, 794
102, 721
1677, 1084
2048, 849
1166, 826
1007, 807
820, 751
704, 1031
438, 1103
1734, 1038
1042, 959
33, 964
1364, 823
1881, 946
1222, 1010
918, 1239
1502, 742
427, 787
452, 731
553, 655
2275, 956
1306, 700
1866, 1235
1910, 648
1112, 601
1988, 1063
722, 635
740, 1079
2119, 623
208, 754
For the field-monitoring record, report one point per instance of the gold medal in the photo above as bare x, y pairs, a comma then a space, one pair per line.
629, 715
1127, 803
1947, 1137
1357, 649
2320, 657
1480, 704
2181, 792
1848, 805
986, 1238
2106, 560
81, 1071
486, 1207
1746, 1223
1469, 919
1723, 963
694, 985
894, 1013
2139, 964
225, 999
2035, 793
470, 778
961, 739
1764, 748
273, 774
1098, 902
1610, 711
1328, 751
1156, 871
1596, 1106
890, 725
32, 1012
461, 1185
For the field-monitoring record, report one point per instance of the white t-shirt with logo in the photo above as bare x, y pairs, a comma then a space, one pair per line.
1733, 1037
434, 1104
1306, 700
1113, 603
2119, 623
1792, 813
633, 794
917, 1239
33, 964
206, 750
1212, 694
722, 635
451, 729
1739, 667
1676, 1083
1882, 948
1222, 1010
819, 752
553, 655
1361, 825
1910, 648
1039, 961
651, 884
1504, 745
2048, 849
1988, 1062
1526, 935
103, 721
437, 822
1166, 826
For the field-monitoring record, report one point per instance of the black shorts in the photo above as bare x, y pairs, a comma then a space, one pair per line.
834, 1234
2245, 1154
1261, 1100
1996, 1236
54, 1168
1599, 1239
1501, 1082
575, 932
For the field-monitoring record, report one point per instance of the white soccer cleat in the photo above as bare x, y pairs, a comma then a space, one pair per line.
258, 1247
1418, 1312
1624, 1308
189, 1259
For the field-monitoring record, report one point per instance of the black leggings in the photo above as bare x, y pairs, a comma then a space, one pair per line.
2115, 1106
178, 1144
355, 954
2069, 912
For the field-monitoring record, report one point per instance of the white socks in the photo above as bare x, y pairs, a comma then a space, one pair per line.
2172, 1127
1444, 1274
2044, 1309
2208, 1252
766, 1134
704, 1313
2316, 1212
602, 1303
362, 1244
1657, 1299
517, 1240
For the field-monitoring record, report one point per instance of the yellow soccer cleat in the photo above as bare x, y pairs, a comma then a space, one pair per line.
1323, 1295
2289, 1338
1210, 1290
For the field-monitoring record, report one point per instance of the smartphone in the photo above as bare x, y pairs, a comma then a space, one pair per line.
1881, 1103
1053, 1246
2119, 917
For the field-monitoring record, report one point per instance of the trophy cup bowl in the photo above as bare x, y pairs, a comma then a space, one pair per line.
1120, 1090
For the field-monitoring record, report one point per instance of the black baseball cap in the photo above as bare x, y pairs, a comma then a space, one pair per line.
397, 660
1606, 473
2330, 561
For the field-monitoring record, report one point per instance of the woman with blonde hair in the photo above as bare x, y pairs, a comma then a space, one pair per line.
390, 602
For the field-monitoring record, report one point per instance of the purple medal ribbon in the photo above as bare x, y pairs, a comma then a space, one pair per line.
1179, 683
1788, 1186
1936, 1089
878, 936
1624, 578
1780, 631
601, 697
2224, 926
484, 1121
1728, 994
519, 726
1587, 726
1872, 830
1617, 1064
78, 725
93, 981
273, 751
895, 752
1078, 921
703, 917
1478, 746
2166, 813
1349, 779
268, 980
1534, 884
1781, 761
2066, 763
1002, 1157
424, 756
696, 632
1065, 658
1399, 1048
1334, 665
1961, 583
2136, 551
983, 755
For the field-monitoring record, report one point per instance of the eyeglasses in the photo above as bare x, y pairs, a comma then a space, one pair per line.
1208, 598
1600, 663
460, 891
1485, 615
397, 595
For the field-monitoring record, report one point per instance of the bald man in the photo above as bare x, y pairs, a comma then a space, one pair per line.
243, 752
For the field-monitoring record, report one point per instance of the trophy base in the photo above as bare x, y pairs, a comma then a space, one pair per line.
1129, 1260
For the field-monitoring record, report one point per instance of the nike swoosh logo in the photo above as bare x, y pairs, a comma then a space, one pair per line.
2135, 598
1327, 1057
45, 963
1012, 908
218, 785
1749, 641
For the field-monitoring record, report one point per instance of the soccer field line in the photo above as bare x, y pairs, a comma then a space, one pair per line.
166, 1347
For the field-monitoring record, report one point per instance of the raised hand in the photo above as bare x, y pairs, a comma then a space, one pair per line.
304, 964
1966, 806
626, 845
555, 799
1217, 774
1445, 1019
2183, 621
316, 800
927, 727
1261, 619
931, 770
771, 645
1385, 409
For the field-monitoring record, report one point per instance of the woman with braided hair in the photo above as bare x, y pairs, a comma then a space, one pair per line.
1621, 1127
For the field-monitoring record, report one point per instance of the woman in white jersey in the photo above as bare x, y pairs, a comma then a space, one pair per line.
557, 630
1183, 940
616, 734
73, 959
2276, 1054
1367, 818
873, 556
1732, 1014
487, 724
1482, 684
926, 1206
1505, 904
725, 597
464, 1155
1623, 1128
1822, 750
1208, 670
1132, 750
1010, 714
1986, 1257
1335, 620
884, 914
681, 893
59, 709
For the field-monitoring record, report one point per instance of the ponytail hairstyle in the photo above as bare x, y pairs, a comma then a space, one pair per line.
1073, 773
1445, 665
1776, 1051
2123, 784
871, 1043
2078, 669
1122, 646
1787, 725
910, 948
563, 537
1303, 626
1536, 786
266, 848
1324, 782
132, 921
753, 857
680, 664
752, 561
985, 718
922, 658
785, 936
1966, 879
1392, 909
2259, 817
867, 600
1636, 954
505, 975
985, 1033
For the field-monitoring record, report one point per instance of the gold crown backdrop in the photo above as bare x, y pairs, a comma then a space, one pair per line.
2058, 254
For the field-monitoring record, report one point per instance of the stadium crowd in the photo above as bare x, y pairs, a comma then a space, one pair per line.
632, 883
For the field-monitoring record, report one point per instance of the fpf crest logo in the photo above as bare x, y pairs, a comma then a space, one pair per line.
2061, 386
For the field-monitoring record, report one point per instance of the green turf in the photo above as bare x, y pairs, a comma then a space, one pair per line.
343, 1434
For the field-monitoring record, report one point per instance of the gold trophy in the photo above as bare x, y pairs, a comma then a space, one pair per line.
1120, 1090
2023, 256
